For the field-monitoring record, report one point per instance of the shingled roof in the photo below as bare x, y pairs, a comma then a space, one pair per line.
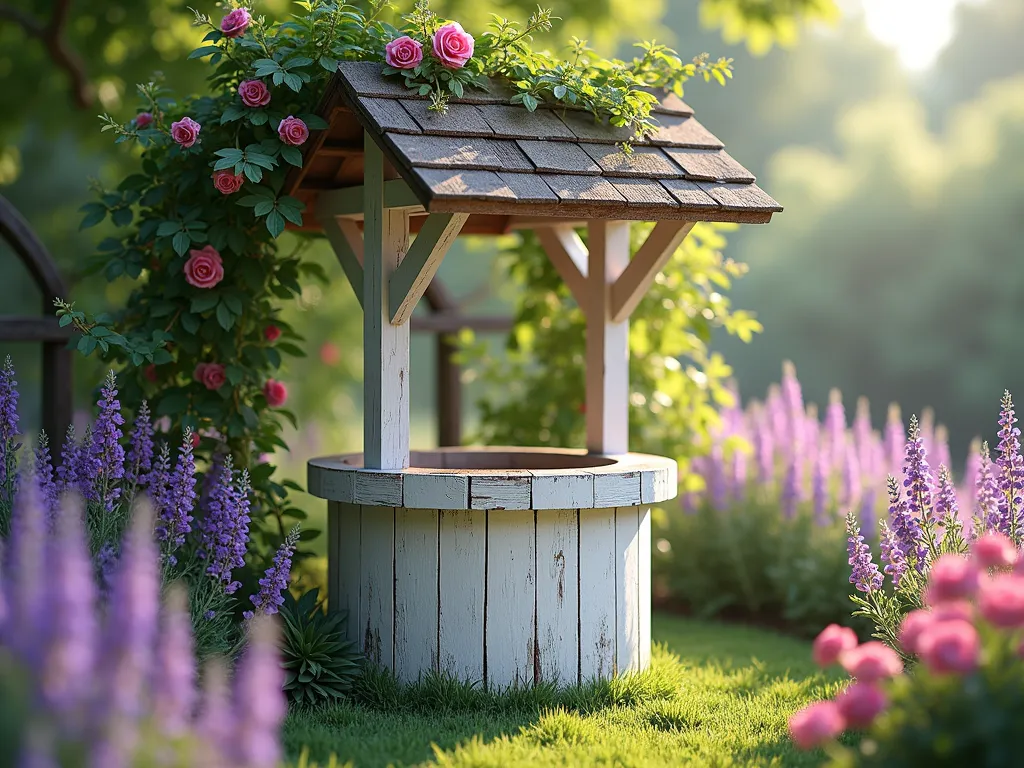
485, 156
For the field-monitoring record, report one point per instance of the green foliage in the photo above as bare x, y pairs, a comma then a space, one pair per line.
716, 695
761, 23
320, 662
749, 562
677, 382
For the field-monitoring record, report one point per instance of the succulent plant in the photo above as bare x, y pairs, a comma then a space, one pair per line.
320, 662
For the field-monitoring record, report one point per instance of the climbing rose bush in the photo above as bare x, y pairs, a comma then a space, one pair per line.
961, 700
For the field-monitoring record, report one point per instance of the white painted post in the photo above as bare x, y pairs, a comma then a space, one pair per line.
385, 346
607, 387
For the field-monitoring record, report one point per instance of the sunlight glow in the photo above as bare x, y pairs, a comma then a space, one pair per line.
917, 29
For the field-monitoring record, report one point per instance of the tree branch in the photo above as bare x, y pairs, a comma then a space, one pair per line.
51, 36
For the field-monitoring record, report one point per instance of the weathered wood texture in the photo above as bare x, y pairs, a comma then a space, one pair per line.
498, 597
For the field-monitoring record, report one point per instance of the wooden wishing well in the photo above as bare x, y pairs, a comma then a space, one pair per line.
508, 566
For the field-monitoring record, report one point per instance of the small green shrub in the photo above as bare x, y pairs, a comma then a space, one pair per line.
320, 662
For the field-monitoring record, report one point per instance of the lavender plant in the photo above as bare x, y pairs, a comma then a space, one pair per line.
80, 686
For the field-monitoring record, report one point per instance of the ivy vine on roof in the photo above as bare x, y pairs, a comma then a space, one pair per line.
196, 228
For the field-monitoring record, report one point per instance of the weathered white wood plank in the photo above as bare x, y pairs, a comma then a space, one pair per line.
377, 603
420, 264
510, 490
381, 489
432, 489
607, 376
558, 595
511, 599
562, 489
568, 255
385, 346
597, 585
650, 259
416, 592
346, 590
644, 572
462, 584
627, 590
616, 489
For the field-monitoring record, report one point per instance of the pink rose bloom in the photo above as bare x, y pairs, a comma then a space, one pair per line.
914, 623
403, 53
954, 609
861, 703
329, 353
227, 183
186, 131
871, 661
950, 646
204, 268
293, 131
994, 550
210, 375
143, 119
831, 642
195, 439
254, 93
816, 724
952, 577
453, 46
1002, 601
236, 22
272, 333
275, 392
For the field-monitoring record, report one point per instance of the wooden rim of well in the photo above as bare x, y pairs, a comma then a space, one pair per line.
498, 478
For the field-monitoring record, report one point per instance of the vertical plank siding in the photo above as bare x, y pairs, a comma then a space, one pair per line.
510, 630
558, 575
416, 592
596, 590
627, 590
377, 603
349, 569
462, 582
644, 586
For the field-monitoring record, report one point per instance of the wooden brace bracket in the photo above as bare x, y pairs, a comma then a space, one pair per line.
420, 264
347, 242
569, 256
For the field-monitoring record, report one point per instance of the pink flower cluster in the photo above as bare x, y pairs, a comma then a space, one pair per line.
961, 591
452, 47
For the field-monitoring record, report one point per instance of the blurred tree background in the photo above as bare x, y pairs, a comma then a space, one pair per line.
890, 274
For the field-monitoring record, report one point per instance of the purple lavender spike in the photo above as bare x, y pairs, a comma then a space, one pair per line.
819, 488
835, 430
86, 467
793, 401
178, 500
67, 471
173, 690
226, 527
3, 590
791, 488
850, 477
42, 469
25, 577
892, 555
918, 479
943, 457
987, 494
160, 485
895, 440
905, 526
106, 453
972, 466
867, 508
8, 424
945, 496
864, 574
863, 437
1011, 465
764, 447
259, 701
717, 488
778, 421
275, 580
139, 461
216, 721
67, 642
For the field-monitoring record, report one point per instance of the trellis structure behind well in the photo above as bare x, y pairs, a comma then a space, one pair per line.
509, 566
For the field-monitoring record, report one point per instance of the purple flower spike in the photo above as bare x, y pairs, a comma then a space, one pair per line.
764, 448
67, 472
917, 475
864, 437
259, 700
835, 429
106, 454
140, 452
179, 499
892, 555
173, 692
25, 578
68, 642
864, 574
8, 422
160, 486
1011, 465
945, 497
42, 468
850, 477
895, 440
226, 526
867, 508
216, 722
819, 488
905, 526
793, 403
986, 495
275, 580
971, 469
791, 489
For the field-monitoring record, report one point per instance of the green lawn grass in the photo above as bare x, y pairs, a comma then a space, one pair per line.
716, 695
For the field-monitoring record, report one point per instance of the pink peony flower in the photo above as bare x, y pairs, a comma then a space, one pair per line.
236, 22
952, 577
914, 623
994, 550
954, 609
210, 375
403, 53
831, 642
272, 333
1002, 601
871, 661
254, 93
453, 46
293, 131
816, 724
950, 646
186, 131
143, 119
204, 268
149, 372
227, 183
861, 703
275, 392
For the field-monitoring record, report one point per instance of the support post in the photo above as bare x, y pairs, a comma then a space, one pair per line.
607, 383
385, 346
